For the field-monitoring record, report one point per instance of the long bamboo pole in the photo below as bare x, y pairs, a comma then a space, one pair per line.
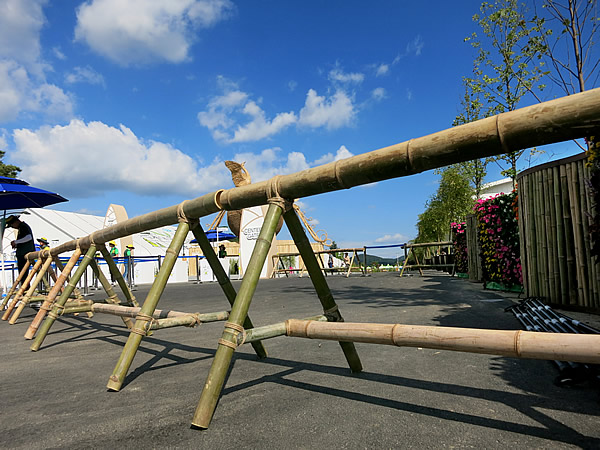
584, 348
58, 286
229, 340
25, 300
329, 305
273, 330
554, 121
560, 238
25, 284
116, 273
15, 285
59, 304
143, 318
224, 281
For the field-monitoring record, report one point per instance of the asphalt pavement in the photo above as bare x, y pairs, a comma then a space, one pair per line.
303, 395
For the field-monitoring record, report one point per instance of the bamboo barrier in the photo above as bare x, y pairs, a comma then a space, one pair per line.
277, 258
14, 288
583, 348
420, 266
562, 119
555, 215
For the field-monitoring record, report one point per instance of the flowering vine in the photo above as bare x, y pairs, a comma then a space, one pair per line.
499, 238
459, 237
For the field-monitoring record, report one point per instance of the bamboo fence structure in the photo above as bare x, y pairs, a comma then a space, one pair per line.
277, 258
558, 120
555, 213
473, 249
408, 249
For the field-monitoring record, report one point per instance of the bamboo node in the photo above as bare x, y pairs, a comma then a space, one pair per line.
273, 196
333, 314
518, 343
181, 217
501, 135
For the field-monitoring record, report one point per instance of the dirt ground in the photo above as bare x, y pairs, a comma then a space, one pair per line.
303, 395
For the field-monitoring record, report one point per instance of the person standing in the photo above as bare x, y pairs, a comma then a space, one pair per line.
24, 242
114, 253
44, 244
128, 261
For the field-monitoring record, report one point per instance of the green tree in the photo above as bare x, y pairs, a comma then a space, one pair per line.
452, 202
8, 170
509, 61
471, 106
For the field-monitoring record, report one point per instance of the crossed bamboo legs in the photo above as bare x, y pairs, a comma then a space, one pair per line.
234, 331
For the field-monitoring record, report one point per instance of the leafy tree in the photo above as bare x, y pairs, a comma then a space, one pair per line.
471, 106
8, 170
509, 61
452, 202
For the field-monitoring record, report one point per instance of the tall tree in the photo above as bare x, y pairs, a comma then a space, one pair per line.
509, 61
471, 106
8, 170
452, 202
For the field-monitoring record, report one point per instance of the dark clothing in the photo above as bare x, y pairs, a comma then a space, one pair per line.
222, 253
25, 247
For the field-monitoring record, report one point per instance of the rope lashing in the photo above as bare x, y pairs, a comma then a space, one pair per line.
146, 325
236, 330
273, 196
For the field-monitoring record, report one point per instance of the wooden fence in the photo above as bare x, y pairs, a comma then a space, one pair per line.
555, 214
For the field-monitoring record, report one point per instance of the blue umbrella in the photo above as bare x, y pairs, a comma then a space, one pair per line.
213, 236
17, 194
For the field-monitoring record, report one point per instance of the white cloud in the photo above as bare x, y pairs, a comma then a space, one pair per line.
145, 31
338, 75
333, 112
415, 46
84, 75
378, 94
19, 93
392, 239
20, 25
292, 85
341, 153
58, 53
80, 160
260, 127
23, 86
270, 162
382, 69
409, 94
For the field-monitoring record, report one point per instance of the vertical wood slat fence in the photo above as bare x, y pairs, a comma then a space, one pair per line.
473, 249
555, 212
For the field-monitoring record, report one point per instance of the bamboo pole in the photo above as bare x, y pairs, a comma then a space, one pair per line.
586, 250
560, 239
144, 317
116, 273
25, 300
112, 296
21, 291
584, 348
562, 119
188, 320
229, 340
550, 237
577, 233
542, 239
568, 229
523, 208
59, 304
556, 294
15, 285
224, 281
324, 294
46, 306
273, 330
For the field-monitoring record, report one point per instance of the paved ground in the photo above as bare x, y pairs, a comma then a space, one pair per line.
303, 395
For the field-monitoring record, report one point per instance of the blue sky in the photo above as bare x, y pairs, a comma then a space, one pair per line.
140, 102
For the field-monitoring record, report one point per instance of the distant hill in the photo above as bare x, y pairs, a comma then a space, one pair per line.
381, 261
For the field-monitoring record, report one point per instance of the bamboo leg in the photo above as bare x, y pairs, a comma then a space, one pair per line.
406, 255
114, 270
224, 281
25, 301
27, 282
144, 317
15, 284
37, 320
330, 308
228, 342
418, 263
59, 304
112, 296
